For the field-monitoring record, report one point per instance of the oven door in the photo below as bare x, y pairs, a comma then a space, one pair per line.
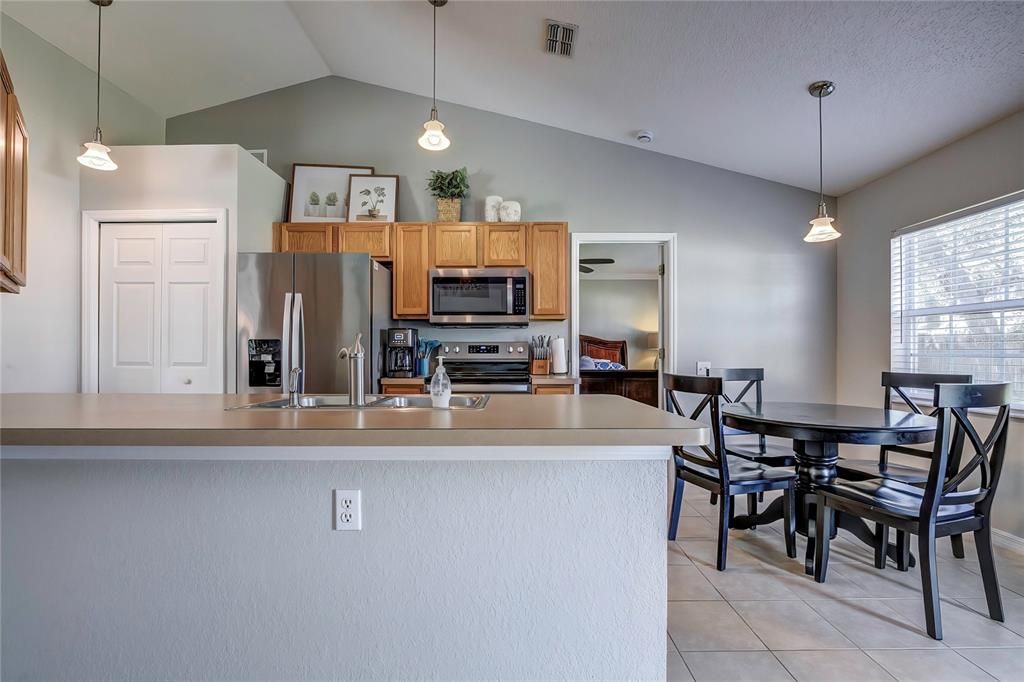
476, 297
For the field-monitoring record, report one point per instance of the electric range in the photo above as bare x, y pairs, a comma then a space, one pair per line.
491, 367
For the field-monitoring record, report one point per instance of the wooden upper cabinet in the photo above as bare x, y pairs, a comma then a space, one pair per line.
304, 237
455, 245
371, 238
503, 244
410, 286
549, 270
14, 210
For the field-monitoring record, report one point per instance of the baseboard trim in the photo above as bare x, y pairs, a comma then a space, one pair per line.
1008, 540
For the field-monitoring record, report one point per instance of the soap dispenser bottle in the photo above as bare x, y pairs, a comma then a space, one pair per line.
440, 387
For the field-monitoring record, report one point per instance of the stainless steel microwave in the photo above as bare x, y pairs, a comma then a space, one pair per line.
480, 297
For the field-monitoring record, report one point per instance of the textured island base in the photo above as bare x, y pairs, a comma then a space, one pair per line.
129, 569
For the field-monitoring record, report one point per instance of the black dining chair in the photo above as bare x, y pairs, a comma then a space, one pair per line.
940, 508
901, 383
715, 470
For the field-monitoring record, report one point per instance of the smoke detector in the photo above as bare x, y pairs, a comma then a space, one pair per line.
559, 37
644, 136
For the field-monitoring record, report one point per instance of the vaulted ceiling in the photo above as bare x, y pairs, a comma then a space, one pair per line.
721, 83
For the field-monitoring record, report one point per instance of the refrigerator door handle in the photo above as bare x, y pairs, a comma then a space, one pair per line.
286, 338
299, 333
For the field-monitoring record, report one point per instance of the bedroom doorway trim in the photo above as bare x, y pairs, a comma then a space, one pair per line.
669, 330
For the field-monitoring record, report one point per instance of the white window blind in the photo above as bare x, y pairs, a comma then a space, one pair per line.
958, 297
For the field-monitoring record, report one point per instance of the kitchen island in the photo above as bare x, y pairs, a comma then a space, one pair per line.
167, 536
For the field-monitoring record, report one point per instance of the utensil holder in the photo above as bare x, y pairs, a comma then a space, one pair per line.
540, 367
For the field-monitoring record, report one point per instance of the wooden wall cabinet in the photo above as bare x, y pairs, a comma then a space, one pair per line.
503, 245
304, 237
14, 180
410, 285
549, 269
456, 245
371, 238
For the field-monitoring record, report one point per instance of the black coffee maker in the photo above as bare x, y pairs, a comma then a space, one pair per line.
400, 346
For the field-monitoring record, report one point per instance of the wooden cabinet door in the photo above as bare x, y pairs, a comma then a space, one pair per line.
16, 190
6, 91
455, 245
401, 389
410, 290
549, 270
554, 389
504, 244
371, 238
304, 237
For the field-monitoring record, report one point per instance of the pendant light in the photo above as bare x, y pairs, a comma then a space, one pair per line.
433, 137
97, 154
821, 227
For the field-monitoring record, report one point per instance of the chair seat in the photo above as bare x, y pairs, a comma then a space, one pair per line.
893, 497
774, 455
868, 468
740, 471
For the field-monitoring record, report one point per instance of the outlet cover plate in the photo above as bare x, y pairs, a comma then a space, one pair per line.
703, 366
348, 510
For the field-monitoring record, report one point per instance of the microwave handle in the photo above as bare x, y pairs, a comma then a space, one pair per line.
508, 293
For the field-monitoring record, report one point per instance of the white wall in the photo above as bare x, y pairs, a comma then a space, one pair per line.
745, 273
40, 326
982, 166
261, 193
621, 309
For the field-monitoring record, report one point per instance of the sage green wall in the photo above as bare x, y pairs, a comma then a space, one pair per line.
751, 292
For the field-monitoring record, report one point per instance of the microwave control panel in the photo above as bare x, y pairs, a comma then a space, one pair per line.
519, 297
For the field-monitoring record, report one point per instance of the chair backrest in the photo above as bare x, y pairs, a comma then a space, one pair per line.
603, 349
898, 383
948, 472
709, 390
752, 378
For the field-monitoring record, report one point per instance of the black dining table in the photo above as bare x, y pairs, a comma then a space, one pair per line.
817, 430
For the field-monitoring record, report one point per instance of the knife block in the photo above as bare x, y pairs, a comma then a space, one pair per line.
540, 367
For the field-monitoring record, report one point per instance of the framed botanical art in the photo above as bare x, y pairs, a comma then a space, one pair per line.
320, 192
373, 198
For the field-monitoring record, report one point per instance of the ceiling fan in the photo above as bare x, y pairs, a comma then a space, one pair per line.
584, 262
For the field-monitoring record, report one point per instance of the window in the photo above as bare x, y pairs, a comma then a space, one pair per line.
958, 295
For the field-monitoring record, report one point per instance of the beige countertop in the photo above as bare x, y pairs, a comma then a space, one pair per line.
202, 420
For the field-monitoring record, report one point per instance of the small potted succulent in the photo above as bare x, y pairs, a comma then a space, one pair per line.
449, 189
331, 207
373, 200
313, 209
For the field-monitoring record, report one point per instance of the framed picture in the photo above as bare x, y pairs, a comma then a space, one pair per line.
373, 198
320, 191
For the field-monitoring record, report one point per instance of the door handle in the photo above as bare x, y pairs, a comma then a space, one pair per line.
286, 340
299, 330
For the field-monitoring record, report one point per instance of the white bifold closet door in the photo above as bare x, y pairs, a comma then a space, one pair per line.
161, 316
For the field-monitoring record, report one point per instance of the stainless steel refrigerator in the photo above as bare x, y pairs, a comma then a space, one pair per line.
299, 310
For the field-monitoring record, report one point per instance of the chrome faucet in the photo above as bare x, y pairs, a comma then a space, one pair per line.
293, 387
356, 385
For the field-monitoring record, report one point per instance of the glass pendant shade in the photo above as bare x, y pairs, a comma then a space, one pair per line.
433, 137
97, 156
821, 229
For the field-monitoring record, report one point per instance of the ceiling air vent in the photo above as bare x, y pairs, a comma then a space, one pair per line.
559, 37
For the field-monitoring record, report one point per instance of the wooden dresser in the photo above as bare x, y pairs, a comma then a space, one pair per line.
636, 384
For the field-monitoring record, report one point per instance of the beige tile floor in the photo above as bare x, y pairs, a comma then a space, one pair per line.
763, 619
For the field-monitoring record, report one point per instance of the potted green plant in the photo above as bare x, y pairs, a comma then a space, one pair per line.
373, 200
449, 189
313, 206
331, 207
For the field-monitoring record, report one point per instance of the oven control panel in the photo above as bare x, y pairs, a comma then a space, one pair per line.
472, 350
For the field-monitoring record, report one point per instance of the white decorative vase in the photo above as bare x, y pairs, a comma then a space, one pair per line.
333, 211
312, 210
491, 206
510, 212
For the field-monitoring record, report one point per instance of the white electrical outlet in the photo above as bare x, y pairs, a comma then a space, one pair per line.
703, 366
348, 510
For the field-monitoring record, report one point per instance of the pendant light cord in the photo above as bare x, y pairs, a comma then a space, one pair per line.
99, 46
434, 106
821, 160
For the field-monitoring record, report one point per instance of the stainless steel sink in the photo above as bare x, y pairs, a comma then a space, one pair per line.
462, 401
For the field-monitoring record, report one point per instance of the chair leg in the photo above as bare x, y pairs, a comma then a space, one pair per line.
724, 516
760, 496
789, 520
930, 584
677, 506
902, 550
752, 506
822, 533
881, 544
983, 539
958, 545
714, 499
